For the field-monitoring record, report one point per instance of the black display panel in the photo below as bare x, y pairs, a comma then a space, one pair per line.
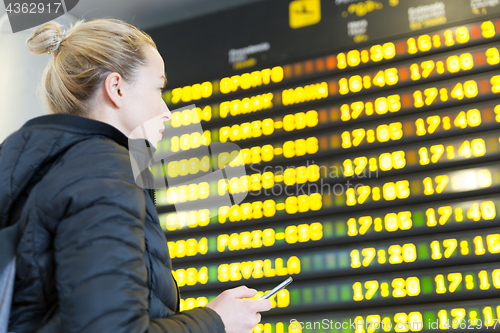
369, 135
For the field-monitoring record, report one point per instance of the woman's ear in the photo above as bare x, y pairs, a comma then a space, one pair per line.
113, 89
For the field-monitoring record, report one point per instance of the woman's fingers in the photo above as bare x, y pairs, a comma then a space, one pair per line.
241, 292
260, 305
238, 313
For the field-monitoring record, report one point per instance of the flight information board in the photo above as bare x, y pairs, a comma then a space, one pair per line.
369, 132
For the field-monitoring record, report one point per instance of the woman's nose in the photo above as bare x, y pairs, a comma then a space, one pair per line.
167, 115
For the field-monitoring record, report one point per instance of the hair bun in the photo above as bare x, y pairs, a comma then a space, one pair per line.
46, 39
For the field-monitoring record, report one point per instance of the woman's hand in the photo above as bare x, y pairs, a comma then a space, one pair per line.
239, 315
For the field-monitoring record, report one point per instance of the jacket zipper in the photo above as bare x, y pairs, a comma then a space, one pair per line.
154, 197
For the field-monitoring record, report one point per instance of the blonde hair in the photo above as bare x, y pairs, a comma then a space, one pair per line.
83, 56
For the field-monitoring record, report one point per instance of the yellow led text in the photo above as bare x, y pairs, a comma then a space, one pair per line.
192, 219
189, 247
396, 253
191, 303
401, 288
246, 105
258, 269
258, 209
267, 126
305, 94
257, 181
383, 133
191, 276
391, 222
251, 80
267, 237
386, 162
381, 106
192, 93
191, 116
390, 191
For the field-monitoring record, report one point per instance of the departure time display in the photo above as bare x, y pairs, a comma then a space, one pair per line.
371, 170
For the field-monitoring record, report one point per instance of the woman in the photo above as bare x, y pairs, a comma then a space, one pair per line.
92, 257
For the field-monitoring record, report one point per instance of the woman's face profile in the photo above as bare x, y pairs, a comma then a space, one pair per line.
144, 109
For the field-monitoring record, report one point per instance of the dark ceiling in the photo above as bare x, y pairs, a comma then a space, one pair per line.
146, 14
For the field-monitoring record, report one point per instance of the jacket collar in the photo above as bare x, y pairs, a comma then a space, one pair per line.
82, 125
141, 150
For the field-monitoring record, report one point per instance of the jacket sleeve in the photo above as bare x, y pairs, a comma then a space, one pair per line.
101, 275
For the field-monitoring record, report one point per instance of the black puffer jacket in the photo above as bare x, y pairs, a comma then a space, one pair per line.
93, 257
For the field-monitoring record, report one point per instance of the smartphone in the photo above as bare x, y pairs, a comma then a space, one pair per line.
277, 288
